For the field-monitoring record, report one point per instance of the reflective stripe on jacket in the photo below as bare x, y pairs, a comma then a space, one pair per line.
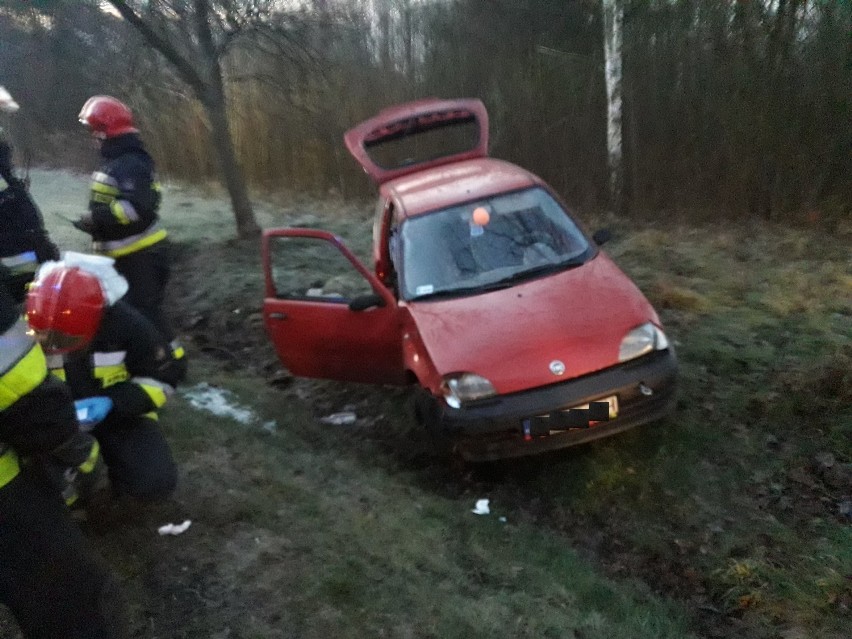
109, 369
9, 467
127, 245
26, 262
22, 364
128, 361
22, 369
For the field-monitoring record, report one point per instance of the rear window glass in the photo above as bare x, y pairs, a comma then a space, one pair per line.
415, 141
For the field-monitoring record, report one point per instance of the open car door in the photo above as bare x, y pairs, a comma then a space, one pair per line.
328, 316
417, 135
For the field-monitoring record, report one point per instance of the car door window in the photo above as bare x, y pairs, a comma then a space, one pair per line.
307, 268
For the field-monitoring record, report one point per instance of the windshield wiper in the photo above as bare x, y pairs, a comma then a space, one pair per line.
504, 282
538, 271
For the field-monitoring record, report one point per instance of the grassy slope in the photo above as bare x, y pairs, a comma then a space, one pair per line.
731, 507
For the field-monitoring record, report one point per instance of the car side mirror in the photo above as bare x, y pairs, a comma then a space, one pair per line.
364, 302
602, 236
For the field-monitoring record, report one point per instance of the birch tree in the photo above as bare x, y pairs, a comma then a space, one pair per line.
613, 21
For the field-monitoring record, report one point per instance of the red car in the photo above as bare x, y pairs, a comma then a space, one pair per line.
518, 332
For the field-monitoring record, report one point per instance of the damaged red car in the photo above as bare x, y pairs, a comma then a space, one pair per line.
516, 330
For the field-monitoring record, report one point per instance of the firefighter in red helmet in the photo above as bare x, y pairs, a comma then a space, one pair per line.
123, 217
104, 348
50, 579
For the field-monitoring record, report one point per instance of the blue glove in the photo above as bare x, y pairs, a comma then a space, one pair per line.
92, 410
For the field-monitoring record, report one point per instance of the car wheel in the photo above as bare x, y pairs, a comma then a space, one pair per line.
427, 413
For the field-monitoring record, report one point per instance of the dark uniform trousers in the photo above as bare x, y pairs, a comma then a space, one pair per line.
147, 273
54, 584
138, 458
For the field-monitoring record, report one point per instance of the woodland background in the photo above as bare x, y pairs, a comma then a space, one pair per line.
732, 108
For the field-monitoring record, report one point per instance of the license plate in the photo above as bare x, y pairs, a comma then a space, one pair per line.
603, 409
613, 405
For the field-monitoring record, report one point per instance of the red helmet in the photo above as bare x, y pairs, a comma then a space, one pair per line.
107, 117
65, 308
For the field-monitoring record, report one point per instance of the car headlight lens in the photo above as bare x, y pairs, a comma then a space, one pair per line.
641, 341
466, 387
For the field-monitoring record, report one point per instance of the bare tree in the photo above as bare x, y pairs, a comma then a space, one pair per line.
613, 21
194, 36
735, 107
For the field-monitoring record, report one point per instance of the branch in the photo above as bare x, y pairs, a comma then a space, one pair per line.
183, 66
203, 31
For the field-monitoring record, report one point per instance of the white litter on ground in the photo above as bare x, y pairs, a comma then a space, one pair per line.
481, 507
174, 529
339, 419
219, 402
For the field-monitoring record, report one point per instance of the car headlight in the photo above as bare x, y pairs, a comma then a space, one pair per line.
641, 341
465, 387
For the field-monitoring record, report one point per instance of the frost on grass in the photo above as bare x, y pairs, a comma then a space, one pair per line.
221, 402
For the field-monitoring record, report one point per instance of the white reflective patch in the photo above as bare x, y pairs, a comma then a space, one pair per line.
425, 289
14, 344
109, 359
129, 210
168, 389
21, 263
16, 260
104, 178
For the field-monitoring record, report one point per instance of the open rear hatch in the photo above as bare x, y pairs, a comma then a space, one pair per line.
418, 135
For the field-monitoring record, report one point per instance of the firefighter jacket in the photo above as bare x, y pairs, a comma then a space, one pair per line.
125, 199
24, 243
37, 417
128, 361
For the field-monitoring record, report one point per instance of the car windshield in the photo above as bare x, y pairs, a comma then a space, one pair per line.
486, 244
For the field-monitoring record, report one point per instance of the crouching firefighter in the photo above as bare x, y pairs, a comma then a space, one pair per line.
24, 243
104, 348
50, 579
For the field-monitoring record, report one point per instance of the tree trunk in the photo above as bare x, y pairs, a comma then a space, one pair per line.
214, 106
613, 20
209, 89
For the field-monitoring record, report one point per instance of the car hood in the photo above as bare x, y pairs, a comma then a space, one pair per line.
511, 336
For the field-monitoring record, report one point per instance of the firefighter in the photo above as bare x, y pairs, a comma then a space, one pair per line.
103, 347
123, 210
50, 579
24, 242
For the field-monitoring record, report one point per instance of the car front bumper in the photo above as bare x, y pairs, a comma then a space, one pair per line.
511, 425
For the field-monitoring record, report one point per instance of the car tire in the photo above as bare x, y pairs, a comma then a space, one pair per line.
427, 413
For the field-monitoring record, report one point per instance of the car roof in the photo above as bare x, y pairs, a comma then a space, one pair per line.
451, 184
